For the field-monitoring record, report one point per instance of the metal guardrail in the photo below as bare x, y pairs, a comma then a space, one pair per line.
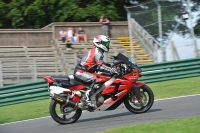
19, 93
1, 74
170, 70
148, 42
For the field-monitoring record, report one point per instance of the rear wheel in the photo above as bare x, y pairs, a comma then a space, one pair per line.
64, 114
147, 100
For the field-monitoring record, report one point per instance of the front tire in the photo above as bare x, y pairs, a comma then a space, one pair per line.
59, 112
147, 97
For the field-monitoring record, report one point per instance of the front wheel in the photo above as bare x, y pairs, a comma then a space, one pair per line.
63, 114
147, 100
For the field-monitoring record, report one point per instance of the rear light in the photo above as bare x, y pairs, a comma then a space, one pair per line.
48, 79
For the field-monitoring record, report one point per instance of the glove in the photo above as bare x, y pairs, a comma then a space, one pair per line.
113, 70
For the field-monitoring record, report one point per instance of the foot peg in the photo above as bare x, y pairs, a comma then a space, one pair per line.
114, 98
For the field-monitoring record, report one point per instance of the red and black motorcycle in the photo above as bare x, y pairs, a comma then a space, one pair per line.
110, 92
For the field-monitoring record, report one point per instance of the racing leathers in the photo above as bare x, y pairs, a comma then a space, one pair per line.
84, 71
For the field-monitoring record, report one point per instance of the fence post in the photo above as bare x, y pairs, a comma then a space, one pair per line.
34, 70
56, 61
1, 74
27, 41
160, 33
18, 75
174, 51
192, 29
130, 27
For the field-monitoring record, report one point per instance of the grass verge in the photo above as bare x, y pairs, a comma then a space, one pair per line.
35, 109
187, 125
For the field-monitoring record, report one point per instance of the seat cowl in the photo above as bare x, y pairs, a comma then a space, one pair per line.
60, 78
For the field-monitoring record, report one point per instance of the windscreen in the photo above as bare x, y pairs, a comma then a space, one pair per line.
127, 61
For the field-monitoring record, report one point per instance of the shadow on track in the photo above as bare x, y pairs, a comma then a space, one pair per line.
114, 115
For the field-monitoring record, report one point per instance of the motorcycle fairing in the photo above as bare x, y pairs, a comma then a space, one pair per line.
106, 84
48, 79
139, 83
122, 84
100, 77
117, 104
133, 76
77, 87
110, 101
57, 90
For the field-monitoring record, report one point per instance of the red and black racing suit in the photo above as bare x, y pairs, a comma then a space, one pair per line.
91, 60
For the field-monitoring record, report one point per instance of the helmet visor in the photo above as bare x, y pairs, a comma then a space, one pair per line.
106, 44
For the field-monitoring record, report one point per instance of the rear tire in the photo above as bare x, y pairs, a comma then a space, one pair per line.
148, 98
54, 110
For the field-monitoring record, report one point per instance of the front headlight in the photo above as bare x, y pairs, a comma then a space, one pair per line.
135, 73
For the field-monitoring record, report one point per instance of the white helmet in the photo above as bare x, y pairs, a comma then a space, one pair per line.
102, 42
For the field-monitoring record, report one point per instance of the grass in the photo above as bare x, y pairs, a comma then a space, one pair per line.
35, 109
187, 125
24, 111
174, 88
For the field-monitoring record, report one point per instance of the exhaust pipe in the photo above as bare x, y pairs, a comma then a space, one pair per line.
67, 101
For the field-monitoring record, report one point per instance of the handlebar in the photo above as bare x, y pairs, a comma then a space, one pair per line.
117, 75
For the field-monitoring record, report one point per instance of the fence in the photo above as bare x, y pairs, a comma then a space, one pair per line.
157, 17
157, 72
18, 72
159, 20
14, 71
24, 37
46, 35
23, 64
149, 43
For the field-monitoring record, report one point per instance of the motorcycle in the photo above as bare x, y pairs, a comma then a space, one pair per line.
110, 92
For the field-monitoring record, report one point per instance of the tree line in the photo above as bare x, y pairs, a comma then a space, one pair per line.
39, 13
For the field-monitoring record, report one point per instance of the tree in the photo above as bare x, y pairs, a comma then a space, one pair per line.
197, 26
4, 20
38, 13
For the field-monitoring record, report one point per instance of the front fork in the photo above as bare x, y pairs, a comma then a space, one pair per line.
136, 91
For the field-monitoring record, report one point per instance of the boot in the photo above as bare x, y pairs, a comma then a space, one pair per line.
85, 100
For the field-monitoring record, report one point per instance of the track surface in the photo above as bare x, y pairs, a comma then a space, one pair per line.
91, 122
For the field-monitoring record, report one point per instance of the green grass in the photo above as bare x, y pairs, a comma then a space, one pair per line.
174, 88
24, 111
188, 125
40, 108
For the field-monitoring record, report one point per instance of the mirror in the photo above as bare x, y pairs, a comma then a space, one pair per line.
113, 57
116, 62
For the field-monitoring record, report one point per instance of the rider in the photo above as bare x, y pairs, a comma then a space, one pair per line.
92, 61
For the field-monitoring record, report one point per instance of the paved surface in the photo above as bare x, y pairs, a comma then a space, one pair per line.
91, 122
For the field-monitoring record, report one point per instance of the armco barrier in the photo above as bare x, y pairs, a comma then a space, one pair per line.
156, 72
19, 93
170, 70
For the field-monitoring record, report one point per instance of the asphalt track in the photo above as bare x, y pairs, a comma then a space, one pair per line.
91, 122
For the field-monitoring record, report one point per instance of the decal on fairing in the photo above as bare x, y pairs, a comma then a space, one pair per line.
57, 90
106, 84
109, 102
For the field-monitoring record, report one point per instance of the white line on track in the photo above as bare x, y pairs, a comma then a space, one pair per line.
177, 97
49, 116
